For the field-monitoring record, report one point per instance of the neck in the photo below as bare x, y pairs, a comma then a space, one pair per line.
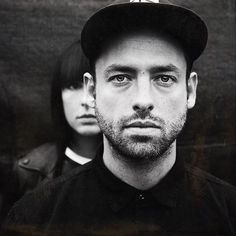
143, 174
85, 146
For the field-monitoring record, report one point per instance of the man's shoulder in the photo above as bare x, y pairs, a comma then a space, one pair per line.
210, 185
203, 175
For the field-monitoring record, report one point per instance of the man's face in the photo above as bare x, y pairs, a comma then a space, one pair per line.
141, 94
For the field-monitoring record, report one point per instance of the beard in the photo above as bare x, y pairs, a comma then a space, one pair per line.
141, 147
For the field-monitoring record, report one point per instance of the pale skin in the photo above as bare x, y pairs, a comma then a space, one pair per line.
141, 72
82, 120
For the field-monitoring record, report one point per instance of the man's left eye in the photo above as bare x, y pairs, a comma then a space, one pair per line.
164, 80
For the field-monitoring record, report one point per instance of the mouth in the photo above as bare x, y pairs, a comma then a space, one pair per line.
142, 125
87, 116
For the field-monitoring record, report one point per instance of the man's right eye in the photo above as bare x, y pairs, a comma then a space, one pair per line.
119, 79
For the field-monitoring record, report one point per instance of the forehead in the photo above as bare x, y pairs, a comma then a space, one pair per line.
141, 47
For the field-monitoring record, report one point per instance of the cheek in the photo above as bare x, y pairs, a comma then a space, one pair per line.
67, 111
174, 103
179, 98
70, 107
72, 100
104, 101
109, 102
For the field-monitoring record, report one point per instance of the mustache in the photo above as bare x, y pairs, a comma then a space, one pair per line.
147, 117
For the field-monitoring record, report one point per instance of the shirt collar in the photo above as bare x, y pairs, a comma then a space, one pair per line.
168, 192
171, 188
75, 157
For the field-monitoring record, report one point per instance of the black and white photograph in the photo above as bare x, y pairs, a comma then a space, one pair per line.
118, 117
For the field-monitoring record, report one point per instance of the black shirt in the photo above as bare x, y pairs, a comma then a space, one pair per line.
92, 201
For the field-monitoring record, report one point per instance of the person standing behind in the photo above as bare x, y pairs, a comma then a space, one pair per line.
75, 124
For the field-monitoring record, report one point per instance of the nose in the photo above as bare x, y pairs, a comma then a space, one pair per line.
84, 102
85, 105
143, 102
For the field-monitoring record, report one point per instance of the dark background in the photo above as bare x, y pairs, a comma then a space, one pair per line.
34, 32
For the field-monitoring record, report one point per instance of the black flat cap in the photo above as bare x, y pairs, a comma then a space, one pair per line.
159, 16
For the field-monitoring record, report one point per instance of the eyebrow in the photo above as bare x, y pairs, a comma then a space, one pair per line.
165, 68
152, 70
121, 68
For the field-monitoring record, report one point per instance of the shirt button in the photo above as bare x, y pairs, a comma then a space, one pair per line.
25, 161
141, 196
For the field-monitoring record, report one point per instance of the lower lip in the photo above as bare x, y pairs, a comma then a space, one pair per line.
142, 130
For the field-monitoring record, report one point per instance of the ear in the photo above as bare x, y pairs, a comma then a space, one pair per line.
192, 89
89, 89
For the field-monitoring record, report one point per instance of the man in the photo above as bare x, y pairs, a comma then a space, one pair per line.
141, 87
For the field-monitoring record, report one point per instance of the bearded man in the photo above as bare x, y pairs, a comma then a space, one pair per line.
142, 86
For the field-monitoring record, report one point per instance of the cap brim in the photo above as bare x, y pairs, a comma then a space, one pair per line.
179, 22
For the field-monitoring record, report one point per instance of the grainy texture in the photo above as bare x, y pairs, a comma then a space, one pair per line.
34, 32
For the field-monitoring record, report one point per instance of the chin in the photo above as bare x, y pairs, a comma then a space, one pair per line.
88, 131
140, 152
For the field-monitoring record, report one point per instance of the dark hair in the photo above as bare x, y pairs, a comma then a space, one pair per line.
69, 70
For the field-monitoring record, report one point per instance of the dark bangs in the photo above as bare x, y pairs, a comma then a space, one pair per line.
69, 70
72, 66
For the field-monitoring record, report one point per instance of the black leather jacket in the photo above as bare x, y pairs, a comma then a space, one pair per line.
39, 166
35, 167
26, 174
32, 169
